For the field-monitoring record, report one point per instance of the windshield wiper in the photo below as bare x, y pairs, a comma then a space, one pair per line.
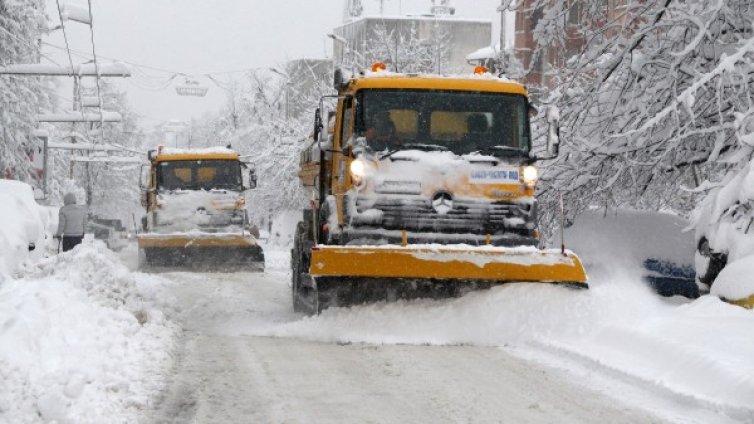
416, 146
501, 151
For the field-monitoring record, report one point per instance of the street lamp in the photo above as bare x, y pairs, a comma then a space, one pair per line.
348, 50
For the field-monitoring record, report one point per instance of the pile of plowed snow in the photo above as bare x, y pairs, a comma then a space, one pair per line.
22, 222
82, 340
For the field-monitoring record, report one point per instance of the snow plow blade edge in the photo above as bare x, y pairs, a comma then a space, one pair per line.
208, 251
491, 264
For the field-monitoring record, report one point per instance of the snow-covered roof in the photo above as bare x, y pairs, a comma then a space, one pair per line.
422, 17
489, 52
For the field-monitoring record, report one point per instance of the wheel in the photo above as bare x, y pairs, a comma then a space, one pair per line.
708, 263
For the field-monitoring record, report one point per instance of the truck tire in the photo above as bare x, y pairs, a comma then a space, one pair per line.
299, 265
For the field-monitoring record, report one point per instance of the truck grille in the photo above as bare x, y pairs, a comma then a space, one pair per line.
466, 216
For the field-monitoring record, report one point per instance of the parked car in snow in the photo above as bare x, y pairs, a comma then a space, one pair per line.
110, 231
22, 224
724, 225
656, 245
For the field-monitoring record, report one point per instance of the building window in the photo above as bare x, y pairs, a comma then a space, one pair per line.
574, 13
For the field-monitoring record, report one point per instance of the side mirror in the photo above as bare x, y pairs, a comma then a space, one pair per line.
553, 140
252, 179
553, 132
144, 175
533, 111
338, 79
317, 123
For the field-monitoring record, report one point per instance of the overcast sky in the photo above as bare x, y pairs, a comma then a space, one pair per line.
213, 36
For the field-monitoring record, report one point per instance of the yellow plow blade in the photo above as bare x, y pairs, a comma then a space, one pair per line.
202, 250
747, 302
486, 263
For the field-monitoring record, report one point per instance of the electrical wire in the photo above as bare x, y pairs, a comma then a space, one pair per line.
70, 59
96, 70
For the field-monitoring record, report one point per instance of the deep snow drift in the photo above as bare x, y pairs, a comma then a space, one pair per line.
82, 340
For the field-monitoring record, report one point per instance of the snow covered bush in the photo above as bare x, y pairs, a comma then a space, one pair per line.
656, 95
22, 23
724, 225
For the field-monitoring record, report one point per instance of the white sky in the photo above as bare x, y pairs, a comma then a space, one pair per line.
213, 36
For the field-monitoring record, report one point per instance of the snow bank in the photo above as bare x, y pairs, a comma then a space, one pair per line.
82, 340
22, 222
736, 280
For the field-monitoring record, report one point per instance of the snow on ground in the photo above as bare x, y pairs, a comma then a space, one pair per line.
699, 350
82, 340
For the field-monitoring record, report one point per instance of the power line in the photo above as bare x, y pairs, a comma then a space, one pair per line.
164, 70
70, 59
96, 70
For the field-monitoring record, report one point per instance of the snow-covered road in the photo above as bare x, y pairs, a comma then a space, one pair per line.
84, 338
224, 374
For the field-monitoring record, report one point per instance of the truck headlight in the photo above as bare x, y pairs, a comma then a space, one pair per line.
358, 169
530, 175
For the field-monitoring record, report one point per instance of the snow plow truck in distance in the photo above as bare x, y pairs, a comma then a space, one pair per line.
421, 186
196, 211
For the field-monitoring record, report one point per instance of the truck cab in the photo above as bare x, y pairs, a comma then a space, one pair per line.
196, 208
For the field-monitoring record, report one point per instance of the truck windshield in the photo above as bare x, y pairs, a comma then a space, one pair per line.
462, 122
199, 175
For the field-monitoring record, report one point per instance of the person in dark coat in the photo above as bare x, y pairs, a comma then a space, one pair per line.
71, 222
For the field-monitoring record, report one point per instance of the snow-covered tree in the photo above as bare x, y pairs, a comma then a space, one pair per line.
273, 115
112, 188
22, 23
405, 49
654, 96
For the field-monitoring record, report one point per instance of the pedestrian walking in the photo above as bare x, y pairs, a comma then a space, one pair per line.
71, 222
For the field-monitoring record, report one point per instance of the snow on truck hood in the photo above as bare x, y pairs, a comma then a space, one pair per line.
415, 172
184, 210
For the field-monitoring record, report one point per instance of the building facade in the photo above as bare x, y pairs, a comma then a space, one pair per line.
543, 64
450, 37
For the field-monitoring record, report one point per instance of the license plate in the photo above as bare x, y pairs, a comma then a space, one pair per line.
494, 176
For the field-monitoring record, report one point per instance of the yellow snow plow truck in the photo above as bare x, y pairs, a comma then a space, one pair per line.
196, 211
421, 186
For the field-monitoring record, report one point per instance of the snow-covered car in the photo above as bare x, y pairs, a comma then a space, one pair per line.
22, 224
656, 245
111, 231
724, 225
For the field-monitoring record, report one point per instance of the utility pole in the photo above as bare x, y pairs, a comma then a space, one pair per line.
501, 9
